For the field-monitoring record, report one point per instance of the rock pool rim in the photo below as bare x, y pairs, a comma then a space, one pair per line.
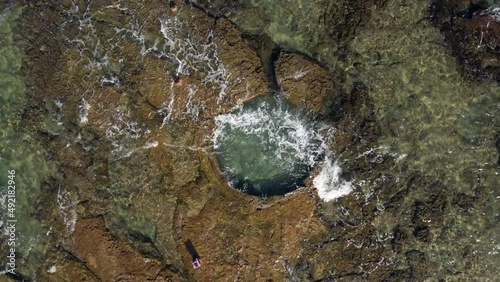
275, 119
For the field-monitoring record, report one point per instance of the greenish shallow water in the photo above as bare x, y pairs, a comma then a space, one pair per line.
20, 152
437, 123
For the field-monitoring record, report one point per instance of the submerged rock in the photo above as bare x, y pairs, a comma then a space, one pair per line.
473, 31
480, 121
317, 28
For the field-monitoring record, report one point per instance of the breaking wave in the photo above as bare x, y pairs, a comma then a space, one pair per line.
329, 183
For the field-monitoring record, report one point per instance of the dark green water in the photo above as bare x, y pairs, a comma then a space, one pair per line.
267, 146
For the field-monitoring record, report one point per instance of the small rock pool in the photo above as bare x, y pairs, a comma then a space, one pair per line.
267, 146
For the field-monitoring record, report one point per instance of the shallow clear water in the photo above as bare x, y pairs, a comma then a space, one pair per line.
440, 124
19, 151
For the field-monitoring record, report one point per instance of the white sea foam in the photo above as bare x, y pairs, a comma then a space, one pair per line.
59, 103
87, 39
121, 151
193, 108
67, 209
329, 183
111, 80
493, 11
298, 74
296, 141
52, 269
167, 110
122, 126
83, 111
189, 50
124, 133
151, 144
274, 126
3, 15
194, 52
56, 115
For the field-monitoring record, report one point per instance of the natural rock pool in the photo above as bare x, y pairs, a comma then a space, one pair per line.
266, 146
125, 120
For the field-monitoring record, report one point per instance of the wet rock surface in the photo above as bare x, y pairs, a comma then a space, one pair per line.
472, 29
303, 82
291, 25
137, 177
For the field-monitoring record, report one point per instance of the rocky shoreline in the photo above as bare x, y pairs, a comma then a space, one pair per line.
130, 129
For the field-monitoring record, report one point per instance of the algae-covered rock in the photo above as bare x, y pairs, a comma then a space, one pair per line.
292, 25
480, 122
472, 30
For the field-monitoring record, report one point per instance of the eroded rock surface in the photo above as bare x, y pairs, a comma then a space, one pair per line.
473, 31
131, 131
130, 123
108, 257
304, 82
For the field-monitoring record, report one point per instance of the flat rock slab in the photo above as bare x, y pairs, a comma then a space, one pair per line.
110, 258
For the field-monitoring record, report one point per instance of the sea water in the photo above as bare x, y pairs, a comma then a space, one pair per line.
268, 147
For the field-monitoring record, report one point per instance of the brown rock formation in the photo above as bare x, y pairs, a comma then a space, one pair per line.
243, 238
149, 200
304, 82
473, 33
110, 258
136, 209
